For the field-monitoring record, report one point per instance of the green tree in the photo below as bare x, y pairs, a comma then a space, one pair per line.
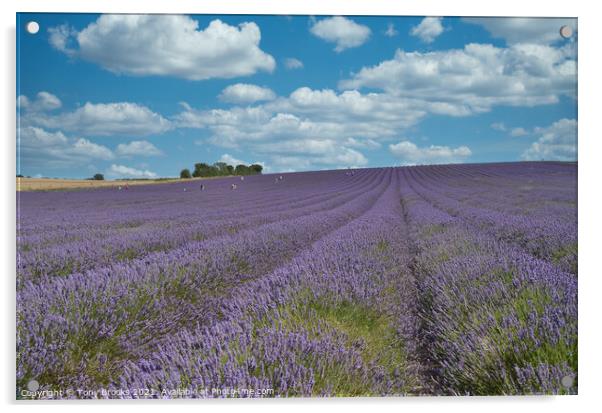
222, 168
256, 168
200, 169
241, 170
98, 177
185, 174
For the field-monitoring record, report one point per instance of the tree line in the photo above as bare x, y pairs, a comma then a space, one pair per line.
220, 169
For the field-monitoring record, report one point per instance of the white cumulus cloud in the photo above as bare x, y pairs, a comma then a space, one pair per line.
359, 143
86, 148
137, 148
36, 137
311, 153
516, 132
37, 146
391, 31
62, 38
293, 63
166, 45
409, 153
344, 32
246, 93
98, 119
307, 113
428, 30
461, 82
231, 160
557, 142
122, 171
44, 101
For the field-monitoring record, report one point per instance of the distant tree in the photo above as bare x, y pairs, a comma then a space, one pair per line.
98, 177
241, 170
197, 170
256, 168
202, 169
222, 168
19, 176
185, 174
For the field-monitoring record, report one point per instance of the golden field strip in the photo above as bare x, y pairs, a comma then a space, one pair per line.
49, 184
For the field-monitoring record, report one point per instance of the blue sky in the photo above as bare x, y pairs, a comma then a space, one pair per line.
145, 96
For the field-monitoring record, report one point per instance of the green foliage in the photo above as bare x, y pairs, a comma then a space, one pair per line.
364, 328
221, 167
204, 170
185, 174
256, 168
241, 170
568, 253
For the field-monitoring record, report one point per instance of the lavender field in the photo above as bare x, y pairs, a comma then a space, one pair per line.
424, 280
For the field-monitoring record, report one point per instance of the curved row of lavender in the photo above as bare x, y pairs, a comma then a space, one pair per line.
393, 281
